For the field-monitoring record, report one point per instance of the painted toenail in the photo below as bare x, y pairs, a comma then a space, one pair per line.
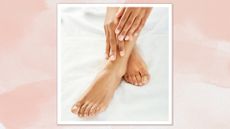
120, 37
145, 79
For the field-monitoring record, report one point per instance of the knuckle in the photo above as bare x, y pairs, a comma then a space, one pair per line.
129, 23
111, 24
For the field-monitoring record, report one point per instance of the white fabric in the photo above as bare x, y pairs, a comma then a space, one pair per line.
82, 53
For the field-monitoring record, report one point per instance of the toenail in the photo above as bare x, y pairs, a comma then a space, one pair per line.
145, 79
120, 37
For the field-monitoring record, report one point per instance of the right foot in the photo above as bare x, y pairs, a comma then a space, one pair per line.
98, 96
136, 73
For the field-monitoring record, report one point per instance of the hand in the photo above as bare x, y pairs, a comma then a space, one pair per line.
112, 43
131, 21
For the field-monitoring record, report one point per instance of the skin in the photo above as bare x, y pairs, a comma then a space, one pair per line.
137, 73
129, 22
97, 97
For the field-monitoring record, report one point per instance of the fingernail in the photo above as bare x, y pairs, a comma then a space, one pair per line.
117, 31
113, 57
127, 38
120, 37
122, 53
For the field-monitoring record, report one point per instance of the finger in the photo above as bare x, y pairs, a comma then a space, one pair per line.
113, 43
126, 27
138, 30
121, 48
107, 48
148, 11
120, 12
134, 27
122, 22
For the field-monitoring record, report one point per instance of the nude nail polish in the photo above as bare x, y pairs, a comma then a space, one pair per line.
127, 38
122, 53
113, 57
117, 31
120, 37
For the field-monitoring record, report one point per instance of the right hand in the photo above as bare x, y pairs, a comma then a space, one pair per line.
112, 44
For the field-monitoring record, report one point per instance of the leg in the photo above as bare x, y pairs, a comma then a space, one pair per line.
101, 91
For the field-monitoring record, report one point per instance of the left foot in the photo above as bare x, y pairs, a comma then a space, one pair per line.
137, 72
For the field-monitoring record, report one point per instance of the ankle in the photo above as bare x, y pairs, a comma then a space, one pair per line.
117, 69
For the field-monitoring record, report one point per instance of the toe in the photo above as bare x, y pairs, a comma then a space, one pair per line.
92, 111
129, 78
145, 76
82, 110
139, 80
134, 80
87, 109
126, 78
97, 110
76, 107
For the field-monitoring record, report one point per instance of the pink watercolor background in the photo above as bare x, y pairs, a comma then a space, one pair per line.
28, 64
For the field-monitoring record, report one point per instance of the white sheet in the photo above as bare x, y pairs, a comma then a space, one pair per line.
82, 48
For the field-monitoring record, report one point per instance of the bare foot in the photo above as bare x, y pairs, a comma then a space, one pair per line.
137, 72
101, 91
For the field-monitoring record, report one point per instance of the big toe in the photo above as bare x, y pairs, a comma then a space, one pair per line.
145, 78
76, 107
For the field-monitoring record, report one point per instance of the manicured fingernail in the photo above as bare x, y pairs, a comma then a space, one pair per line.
113, 57
117, 31
106, 56
127, 38
122, 53
120, 37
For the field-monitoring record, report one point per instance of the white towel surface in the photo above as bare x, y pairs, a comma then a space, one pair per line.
82, 54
